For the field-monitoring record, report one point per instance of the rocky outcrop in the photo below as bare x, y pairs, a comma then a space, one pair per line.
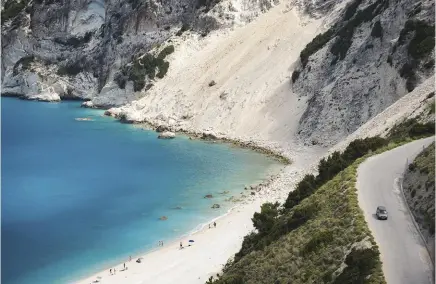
92, 47
161, 128
374, 53
46, 96
167, 135
419, 190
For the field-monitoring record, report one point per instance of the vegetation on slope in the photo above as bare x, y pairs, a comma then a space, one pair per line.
144, 66
12, 8
343, 31
420, 188
25, 63
422, 43
317, 230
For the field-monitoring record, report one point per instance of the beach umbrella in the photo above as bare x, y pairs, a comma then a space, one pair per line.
191, 241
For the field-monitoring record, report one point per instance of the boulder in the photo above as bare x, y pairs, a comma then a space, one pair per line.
163, 218
88, 104
84, 119
253, 193
215, 206
212, 83
161, 128
46, 96
167, 135
209, 135
208, 196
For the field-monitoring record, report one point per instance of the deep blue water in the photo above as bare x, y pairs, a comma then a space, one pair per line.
79, 196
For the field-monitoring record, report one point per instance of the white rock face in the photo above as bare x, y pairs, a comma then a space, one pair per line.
47, 96
167, 135
88, 104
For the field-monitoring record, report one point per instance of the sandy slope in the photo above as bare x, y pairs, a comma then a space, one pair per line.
251, 66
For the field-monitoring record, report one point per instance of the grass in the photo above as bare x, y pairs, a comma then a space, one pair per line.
313, 252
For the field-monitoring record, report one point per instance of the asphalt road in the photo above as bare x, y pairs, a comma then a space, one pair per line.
403, 253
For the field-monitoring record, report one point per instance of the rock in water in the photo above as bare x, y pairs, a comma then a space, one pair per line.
47, 96
161, 128
167, 135
88, 104
215, 206
208, 196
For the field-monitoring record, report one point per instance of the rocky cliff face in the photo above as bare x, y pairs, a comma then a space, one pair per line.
375, 53
419, 190
154, 59
88, 49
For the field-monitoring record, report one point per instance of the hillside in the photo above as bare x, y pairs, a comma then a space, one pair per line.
419, 189
319, 235
257, 71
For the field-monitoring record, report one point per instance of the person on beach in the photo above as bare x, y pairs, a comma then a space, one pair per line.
110, 271
124, 266
130, 258
181, 245
161, 242
214, 224
209, 226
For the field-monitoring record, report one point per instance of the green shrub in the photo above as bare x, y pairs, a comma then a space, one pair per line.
145, 66
25, 63
345, 34
166, 51
377, 30
12, 8
184, 28
295, 75
360, 265
264, 220
431, 108
412, 167
411, 128
407, 71
351, 9
389, 60
70, 69
330, 167
304, 188
316, 44
423, 40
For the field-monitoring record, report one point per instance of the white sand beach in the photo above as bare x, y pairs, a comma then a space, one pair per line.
193, 264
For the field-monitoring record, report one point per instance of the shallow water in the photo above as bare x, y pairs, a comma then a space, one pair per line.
79, 196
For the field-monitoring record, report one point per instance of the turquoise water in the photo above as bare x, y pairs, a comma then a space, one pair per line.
79, 196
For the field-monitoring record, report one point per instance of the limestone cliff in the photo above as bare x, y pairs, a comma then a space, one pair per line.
294, 71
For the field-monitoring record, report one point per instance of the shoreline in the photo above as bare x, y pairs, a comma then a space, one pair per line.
193, 264
239, 212
208, 136
227, 239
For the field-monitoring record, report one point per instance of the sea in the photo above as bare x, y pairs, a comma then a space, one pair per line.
79, 196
